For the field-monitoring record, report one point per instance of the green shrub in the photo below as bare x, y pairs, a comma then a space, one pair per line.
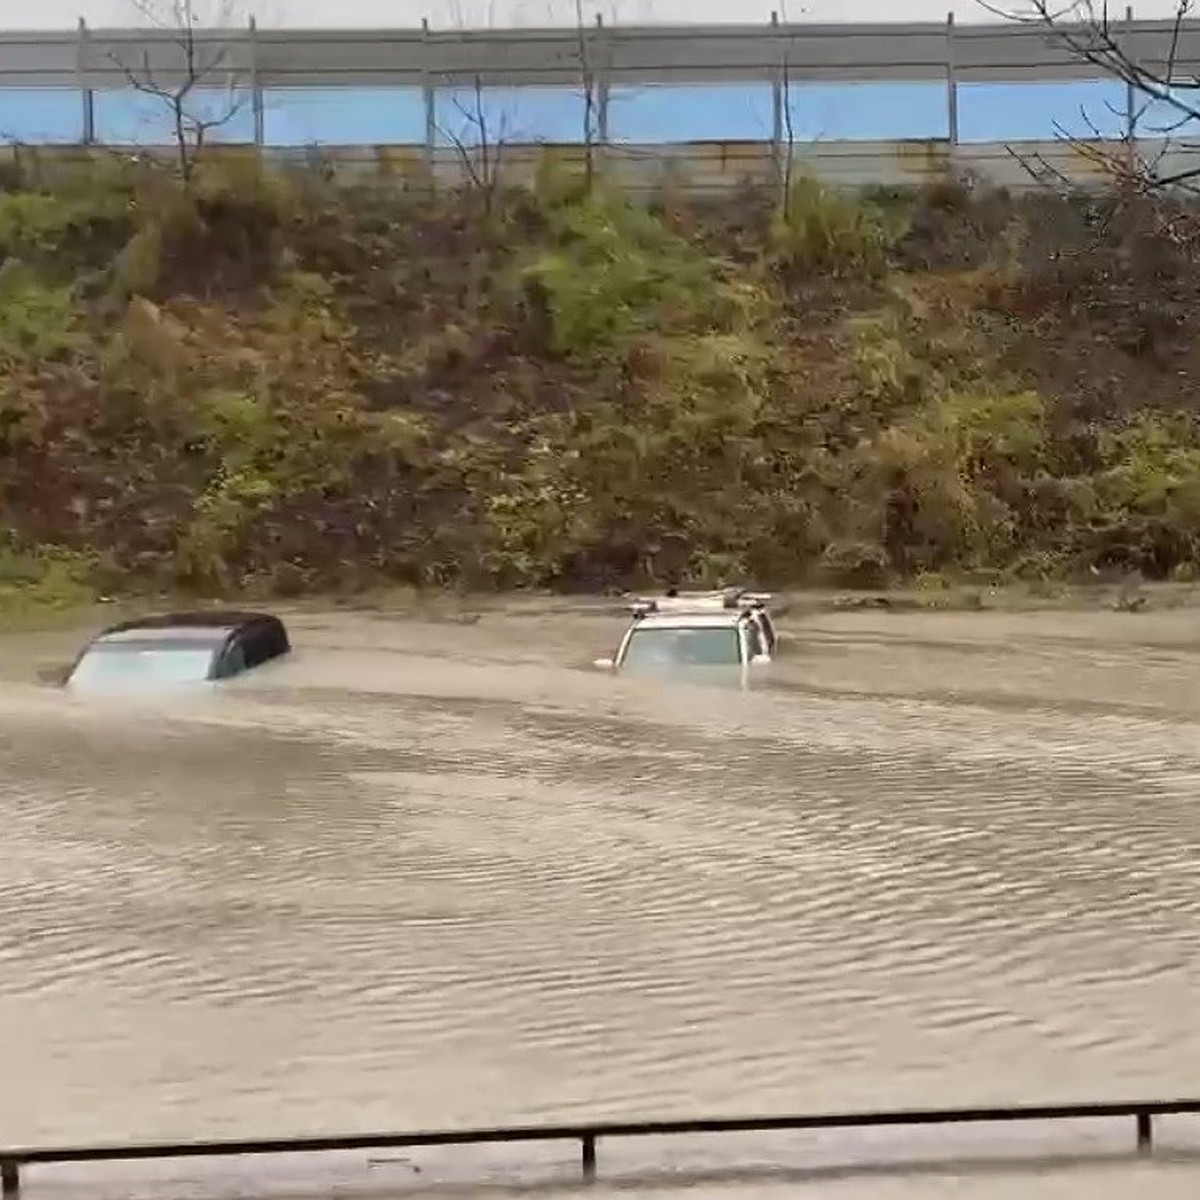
820, 229
36, 220
45, 579
862, 565
1152, 467
612, 270
36, 320
950, 479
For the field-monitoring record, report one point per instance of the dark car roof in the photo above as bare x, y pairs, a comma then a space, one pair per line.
213, 618
211, 627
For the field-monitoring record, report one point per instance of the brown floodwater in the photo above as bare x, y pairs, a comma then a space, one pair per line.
432, 873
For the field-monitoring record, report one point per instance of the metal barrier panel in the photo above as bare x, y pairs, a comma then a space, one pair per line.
1004, 52
431, 63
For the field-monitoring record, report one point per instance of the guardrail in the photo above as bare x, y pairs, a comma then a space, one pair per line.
588, 1135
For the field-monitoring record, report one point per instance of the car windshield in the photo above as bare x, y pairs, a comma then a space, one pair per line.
126, 663
715, 646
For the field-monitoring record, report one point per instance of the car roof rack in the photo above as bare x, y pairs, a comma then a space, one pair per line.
720, 599
754, 599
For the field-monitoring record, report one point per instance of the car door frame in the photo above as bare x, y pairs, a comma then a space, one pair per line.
766, 631
221, 663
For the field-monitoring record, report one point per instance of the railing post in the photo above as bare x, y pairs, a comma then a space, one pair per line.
589, 1157
429, 99
10, 1177
87, 97
951, 87
1145, 1133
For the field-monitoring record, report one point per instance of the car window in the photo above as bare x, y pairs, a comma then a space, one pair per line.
272, 641
269, 640
118, 665
234, 661
254, 646
699, 647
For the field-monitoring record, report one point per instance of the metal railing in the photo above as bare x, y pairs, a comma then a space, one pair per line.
588, 1136
611, 57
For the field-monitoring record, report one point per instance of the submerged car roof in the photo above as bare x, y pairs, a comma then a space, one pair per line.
702, 619
208, 627
173, 634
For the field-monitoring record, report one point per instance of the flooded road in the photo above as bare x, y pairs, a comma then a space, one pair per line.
434, 873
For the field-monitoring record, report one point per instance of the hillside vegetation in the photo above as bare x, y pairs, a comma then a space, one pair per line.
267, 382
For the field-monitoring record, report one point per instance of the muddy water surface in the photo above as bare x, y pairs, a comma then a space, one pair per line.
432, 873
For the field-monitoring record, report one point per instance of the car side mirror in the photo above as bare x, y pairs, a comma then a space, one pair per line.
604, 664
759, 660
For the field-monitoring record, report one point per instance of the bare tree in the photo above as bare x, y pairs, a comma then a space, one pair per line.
202, 64
591, 99
482, 137
1140, 159
786, 121
480, 145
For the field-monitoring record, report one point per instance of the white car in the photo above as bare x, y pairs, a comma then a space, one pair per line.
730, 629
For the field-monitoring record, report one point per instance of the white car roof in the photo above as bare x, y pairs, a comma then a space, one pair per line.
707, 619
693, 602
720, 600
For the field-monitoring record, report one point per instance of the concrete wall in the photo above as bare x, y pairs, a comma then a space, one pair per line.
709, 168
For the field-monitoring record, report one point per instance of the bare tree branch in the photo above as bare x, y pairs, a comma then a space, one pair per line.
587, 81
787, 174
479, 147
480, 143
1149, 203
200, 62
1086, 30
789, 127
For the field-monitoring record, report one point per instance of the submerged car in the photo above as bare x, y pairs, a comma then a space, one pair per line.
179, 648
731, 629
